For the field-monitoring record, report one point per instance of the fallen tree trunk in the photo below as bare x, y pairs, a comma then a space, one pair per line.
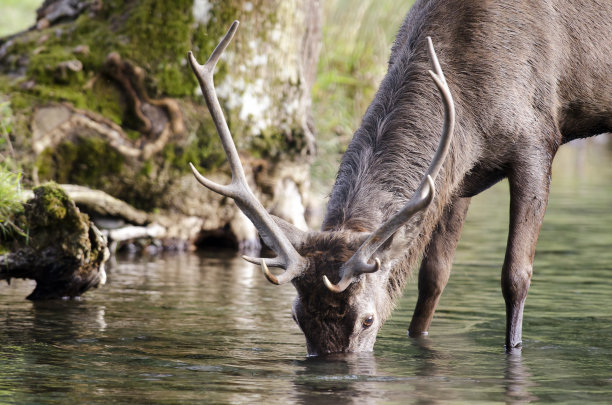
121, 223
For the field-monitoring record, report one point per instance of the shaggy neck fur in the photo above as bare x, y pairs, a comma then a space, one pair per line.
389, 154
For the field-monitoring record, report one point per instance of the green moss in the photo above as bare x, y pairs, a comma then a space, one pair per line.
147, 168
92, 162
106, 99
204, 151
152, 34
51, 205
156, 36
45, 66
60, 93
89, 161
19, 100
276, 145
52, 216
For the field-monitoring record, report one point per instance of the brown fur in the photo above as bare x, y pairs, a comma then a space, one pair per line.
526, 77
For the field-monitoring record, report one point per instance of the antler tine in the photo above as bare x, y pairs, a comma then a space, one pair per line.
289, 259
449, 112
216, 54
435, 63
351, 271
358, 263
205, 74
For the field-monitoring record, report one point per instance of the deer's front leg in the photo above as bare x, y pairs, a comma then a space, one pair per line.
529, 185
436, 265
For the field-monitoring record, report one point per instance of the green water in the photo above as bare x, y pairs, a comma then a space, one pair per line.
208, 328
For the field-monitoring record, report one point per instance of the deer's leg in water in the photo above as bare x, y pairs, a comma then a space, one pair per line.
436, 265
529, 185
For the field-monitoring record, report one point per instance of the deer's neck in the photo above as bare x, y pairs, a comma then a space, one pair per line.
386, 161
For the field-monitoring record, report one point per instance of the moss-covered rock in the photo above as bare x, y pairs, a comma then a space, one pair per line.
62, 250
81, 161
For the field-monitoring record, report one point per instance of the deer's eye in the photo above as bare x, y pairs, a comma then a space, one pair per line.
368, 321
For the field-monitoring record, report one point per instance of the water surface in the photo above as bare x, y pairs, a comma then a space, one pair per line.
208, 328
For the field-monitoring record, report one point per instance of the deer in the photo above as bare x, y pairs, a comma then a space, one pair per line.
522, 79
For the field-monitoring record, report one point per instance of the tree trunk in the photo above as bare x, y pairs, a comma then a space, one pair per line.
102, 96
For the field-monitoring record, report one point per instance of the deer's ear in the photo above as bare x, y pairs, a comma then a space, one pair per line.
394, 248
295, 235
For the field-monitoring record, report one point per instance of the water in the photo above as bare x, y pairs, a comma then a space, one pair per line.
208, 328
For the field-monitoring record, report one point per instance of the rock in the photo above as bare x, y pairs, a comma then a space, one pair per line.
64, 252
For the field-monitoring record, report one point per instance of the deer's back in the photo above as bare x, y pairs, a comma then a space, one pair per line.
512, 62
525, 75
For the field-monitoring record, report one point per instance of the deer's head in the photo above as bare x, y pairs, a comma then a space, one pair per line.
341, 276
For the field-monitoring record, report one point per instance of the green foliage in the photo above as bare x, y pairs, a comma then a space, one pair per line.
350, 69
87, 161
10, 193
6, 128
204, 151
10, 204
357, 38
5, 118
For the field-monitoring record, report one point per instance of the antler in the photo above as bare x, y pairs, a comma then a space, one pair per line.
238, 189
358, 263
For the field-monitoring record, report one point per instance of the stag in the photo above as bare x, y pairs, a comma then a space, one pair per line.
528, 77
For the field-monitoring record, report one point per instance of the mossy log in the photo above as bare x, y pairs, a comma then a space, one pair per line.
62, 250
102, 97
121, 223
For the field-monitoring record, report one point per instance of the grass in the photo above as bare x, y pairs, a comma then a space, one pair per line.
357, 39
10, 185
6, 127
10, 203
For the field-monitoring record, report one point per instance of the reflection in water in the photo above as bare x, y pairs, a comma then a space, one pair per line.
517, 380
339, 379
79, 319
203, 328
208, 328
45, 341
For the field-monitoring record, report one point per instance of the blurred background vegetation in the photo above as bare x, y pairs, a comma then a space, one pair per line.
357, 39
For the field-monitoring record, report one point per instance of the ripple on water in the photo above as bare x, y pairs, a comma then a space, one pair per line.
208, 328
